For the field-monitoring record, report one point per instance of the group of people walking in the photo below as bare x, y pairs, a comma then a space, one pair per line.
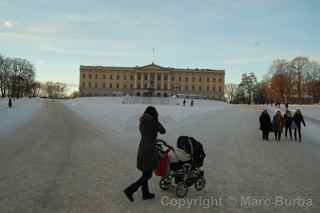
291, 123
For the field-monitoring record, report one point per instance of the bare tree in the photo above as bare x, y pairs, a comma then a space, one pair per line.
248, 84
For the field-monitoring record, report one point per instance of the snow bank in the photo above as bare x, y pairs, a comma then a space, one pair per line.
20, 113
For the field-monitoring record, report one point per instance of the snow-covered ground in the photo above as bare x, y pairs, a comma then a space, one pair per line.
20, 113
238, 162
112, 113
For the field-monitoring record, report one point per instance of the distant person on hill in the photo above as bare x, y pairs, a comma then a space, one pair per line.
297, 120
265, 124
10, 102
278, 123
288, 123
191, 103
184, 102
147, 159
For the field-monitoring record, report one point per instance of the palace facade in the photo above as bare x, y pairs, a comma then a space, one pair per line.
151, 80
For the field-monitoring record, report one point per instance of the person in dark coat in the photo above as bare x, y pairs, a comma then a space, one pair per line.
148, 158
10, 102
297, 120
288, 123
191, 103
265, 124
278, 123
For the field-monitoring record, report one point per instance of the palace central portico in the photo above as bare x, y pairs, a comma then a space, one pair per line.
150, 80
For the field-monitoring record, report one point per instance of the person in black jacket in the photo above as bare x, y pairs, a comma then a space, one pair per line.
265, 124
147, 159
297, 120
288, 123
10, 102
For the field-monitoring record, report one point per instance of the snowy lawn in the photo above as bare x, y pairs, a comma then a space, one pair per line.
20, 113
111, 113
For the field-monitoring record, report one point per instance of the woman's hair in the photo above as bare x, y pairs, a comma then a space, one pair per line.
151, 110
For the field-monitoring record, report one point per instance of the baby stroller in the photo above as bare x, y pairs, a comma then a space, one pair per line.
181, 174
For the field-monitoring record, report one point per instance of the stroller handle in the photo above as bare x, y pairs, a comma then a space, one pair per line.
159, 141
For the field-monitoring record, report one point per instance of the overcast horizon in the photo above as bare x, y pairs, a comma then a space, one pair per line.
237, 36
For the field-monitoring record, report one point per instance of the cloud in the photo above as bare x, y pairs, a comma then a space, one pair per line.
17, 35
8, 24
86, 52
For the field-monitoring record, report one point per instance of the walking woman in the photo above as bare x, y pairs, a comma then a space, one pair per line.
265, 124
147, 159
288, 123
278, 123
297, 120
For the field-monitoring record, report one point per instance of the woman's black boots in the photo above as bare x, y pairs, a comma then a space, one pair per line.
146, 195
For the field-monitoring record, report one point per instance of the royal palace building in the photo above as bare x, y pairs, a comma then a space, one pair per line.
151, 80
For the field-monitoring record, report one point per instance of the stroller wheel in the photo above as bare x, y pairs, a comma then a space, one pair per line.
181, 189
200, 184
164, 184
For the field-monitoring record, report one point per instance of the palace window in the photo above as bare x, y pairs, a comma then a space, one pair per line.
193, 79
83, 75
165, 77
131, 86
159, 77
220, 80
214, 79
186, 79
208, 79
131, 77
179, 79
117, 86
111, 77
193, 87
145, 77
96, 76
110, 86
151, 76
139, 76
172, 78
118, 77
125, 77
104, 76
90, 76
138, 86
200, 79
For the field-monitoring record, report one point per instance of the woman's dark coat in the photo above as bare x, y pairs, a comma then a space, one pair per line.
278, 123
287, 120
265, 122
298, 119
147, 152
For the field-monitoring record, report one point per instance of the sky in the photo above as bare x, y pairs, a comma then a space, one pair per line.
235, 35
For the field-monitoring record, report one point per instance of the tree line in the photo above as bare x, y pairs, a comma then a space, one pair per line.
287, 81
17, 78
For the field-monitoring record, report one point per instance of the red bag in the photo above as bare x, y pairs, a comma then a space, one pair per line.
162, 168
